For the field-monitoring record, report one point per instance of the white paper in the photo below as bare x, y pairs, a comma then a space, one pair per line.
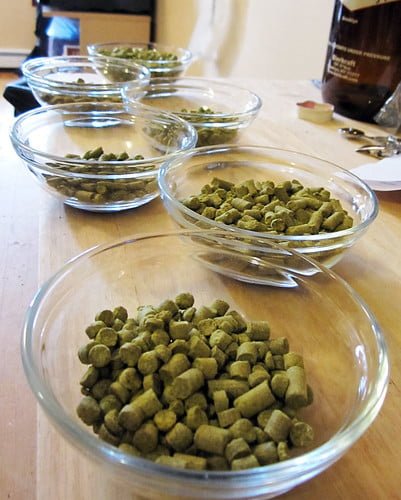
383, 175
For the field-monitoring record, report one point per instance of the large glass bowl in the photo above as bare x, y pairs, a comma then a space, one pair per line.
187, 175
217, 110
343, 347
163, 61
64, 79
63, 146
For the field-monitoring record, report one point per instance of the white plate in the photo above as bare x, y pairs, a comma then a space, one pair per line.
383, 175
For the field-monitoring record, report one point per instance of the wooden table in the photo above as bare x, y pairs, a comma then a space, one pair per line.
38, 234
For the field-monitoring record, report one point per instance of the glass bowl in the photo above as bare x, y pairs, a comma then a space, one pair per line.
217, 110
343, 348
161, 60
101, 157
64, 79
185, 176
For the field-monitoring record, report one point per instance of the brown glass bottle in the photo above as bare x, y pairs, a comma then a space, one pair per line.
363, 62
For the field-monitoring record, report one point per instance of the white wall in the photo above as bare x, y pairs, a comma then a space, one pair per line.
17, 25
257, 38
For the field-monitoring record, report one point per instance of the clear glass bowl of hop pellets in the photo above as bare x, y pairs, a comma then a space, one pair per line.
268, 204
218, 110
323, 320
64, 79
163, 61
101, 157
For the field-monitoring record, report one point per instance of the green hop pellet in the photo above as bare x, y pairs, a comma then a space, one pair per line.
228, 417
211, 439
107, 336
101, 388
179, 437
296, 395
83, 352
195, 417
149, 403
255, 400
88, 410
111, 422
266, 453
184, 300
108, 402
148, 362
187, 383
247, 462
108, 436
165, 419
278, 426
146, 437
130, 354
99, 355
131, 417
283, 451
216, 462
130, 379
237, 448
243, 428
90, 377
120, 313
93, 328
301, 434
106, 316
191, 461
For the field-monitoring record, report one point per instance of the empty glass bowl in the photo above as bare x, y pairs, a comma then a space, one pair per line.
64, 79
187, 175
218, 110
101, 157
161, 60
344, 351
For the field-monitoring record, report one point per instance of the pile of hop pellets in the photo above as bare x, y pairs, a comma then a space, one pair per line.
198, 388
215, 132
263, 206
159, 62
101, 191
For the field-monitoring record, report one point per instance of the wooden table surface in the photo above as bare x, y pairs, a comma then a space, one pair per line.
39, 233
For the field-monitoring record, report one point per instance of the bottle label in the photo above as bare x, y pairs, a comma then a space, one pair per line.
363, 4
361, 47
345, 62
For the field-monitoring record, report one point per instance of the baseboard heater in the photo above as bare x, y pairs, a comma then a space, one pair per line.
12, 58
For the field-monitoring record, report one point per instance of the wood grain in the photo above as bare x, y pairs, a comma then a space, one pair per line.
19, 221
41, 234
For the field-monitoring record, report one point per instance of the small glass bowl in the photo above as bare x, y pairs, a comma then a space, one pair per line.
186, 176
162, 60
344, 352
54, 141
217, 110
65, 79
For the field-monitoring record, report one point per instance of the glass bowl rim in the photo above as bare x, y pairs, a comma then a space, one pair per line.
189, 83
29, 67
184, 56
27, 152
304, 464
209, 150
